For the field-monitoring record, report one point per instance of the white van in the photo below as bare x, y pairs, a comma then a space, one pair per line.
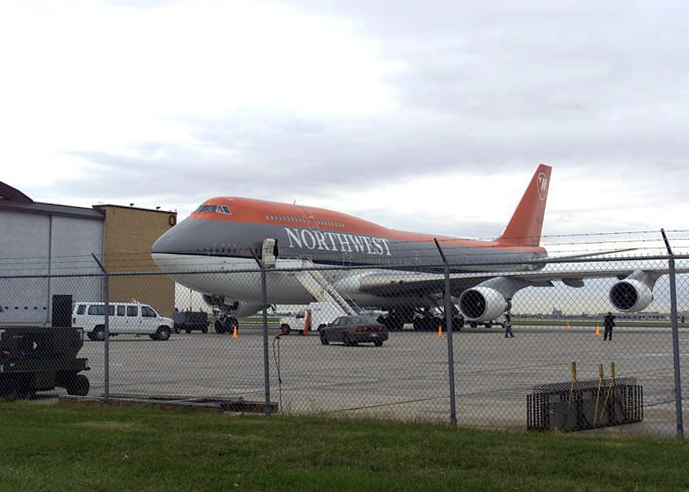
126, 318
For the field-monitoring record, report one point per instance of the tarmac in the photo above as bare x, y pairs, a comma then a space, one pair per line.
406, 379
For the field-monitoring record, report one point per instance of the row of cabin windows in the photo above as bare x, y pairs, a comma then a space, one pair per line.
303, 220
219, 249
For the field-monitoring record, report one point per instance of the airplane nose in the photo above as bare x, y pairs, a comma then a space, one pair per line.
190, 237
181, 239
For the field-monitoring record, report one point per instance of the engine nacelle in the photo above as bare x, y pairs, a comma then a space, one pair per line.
631, 295
482, 304
232, 307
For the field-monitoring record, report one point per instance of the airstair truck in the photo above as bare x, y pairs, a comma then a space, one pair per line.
315, 316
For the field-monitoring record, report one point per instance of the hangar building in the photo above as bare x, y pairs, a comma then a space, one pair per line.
46, 257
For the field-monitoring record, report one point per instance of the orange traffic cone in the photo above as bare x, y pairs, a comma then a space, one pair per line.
568, 326
234, 333
440, 330
597, 330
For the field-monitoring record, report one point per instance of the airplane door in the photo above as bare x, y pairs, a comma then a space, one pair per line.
269, 252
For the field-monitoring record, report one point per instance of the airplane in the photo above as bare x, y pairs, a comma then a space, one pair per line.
391, 270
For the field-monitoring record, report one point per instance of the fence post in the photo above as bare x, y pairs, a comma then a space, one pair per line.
448, 330
675, 338
266, 366
106, 340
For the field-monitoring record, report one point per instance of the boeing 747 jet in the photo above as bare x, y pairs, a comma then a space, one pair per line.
396, 271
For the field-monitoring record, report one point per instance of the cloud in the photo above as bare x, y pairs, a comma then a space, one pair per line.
420, 117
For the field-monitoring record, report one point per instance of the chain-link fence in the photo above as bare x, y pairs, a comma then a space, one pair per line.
302, 358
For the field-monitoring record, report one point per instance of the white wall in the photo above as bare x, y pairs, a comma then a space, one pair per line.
33, 244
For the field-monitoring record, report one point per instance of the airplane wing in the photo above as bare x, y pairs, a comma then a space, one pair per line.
395, 283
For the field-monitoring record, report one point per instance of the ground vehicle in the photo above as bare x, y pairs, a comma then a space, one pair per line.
352, 330
35, 358
190, 320
125, 318
315, 316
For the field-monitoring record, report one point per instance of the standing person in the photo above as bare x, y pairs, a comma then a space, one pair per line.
609, 323
508, 326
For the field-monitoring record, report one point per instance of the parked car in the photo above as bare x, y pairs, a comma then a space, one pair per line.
126, 318
352, 330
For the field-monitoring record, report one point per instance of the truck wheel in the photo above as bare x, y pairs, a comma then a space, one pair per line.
284, 329
204, 329
163, 333
79, 385
378, 343
9, 390
90, 335
188, 330
98, 333
324, 339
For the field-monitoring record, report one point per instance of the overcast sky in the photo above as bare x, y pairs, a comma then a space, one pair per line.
425, 116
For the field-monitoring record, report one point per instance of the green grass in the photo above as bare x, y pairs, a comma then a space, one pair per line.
72, 447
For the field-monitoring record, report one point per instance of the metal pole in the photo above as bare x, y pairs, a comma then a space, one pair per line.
675, 338
106, 341
266, 366
448, 329
264, 299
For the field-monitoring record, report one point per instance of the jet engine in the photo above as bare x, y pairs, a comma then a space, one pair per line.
635, 293
489, 299
482, 304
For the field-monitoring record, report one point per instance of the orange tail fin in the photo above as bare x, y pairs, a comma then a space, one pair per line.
524, 229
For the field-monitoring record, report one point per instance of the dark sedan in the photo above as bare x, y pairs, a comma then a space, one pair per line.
352, 330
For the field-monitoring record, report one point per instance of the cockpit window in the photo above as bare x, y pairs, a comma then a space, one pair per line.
217, 209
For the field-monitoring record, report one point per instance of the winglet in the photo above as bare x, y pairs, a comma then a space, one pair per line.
524, 229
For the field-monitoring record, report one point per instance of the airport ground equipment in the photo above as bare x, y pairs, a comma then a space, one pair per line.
315, 316
583, 405
190, 320
321, 289
36, 358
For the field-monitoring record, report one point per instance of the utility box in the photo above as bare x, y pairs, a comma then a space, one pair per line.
35, 358
585, 405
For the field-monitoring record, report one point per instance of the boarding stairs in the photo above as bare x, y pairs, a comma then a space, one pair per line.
321, 289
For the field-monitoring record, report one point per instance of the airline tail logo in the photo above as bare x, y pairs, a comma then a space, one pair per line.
542, 186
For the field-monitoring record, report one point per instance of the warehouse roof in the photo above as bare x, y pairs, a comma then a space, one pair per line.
14, 200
